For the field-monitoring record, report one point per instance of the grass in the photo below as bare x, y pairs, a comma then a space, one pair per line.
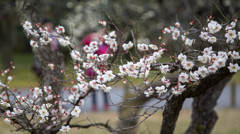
25, 76
228, 123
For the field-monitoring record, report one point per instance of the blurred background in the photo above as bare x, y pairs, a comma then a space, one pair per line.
145, 17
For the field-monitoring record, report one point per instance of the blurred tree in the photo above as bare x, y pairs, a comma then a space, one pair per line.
8, 32
29, 10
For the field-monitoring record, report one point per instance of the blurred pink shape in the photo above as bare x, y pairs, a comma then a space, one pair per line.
102, 49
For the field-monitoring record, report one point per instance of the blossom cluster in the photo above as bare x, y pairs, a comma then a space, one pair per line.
96, 69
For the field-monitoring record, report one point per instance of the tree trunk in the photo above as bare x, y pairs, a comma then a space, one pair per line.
170, 114
221, 77
204, 116
29, 10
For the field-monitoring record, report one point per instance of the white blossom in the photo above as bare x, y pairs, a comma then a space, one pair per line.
233, 68
142, 47
187, 65
109, 75
127, 46
212, 39
161, 90
76, 111
204, 36
235, 55
212, 69
60, 29
33, 43
43, 112
203, 71
27, 25
64, 129
182, 57
214, 27
149, 92
153, 47
194, 76
7, 121
189, 42
207, 51
64, 42
183, 77
164, 69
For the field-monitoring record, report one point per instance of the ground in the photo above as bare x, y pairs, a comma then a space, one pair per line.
228, 123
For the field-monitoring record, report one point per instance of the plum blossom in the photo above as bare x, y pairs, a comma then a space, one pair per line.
76, 55
177, 24
17, 111
102, 22
189, 42
83, 87
51, 65
64, 129
207, 51
212, 69
212, 39
221, 62
182, 57
7, 121
149, 92
102, 79
142, 47
153, 47
204, 36
204, 58
187, 65
27, 25
60, 29
230, 35
233, 68
164, 69
109, 75
43, 112
231, 25
167, 29
194, 76
203, 71
94, 84
183, 77
37, 92
178, 89
76, 111
161, 90
165, 81
4, 104
214, 26
175, 33
127, 46
33, 43
235, 55
64, 42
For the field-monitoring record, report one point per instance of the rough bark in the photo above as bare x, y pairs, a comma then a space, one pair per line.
204, 116
170, 114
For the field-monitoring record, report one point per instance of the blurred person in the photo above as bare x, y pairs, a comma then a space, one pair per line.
104, 48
